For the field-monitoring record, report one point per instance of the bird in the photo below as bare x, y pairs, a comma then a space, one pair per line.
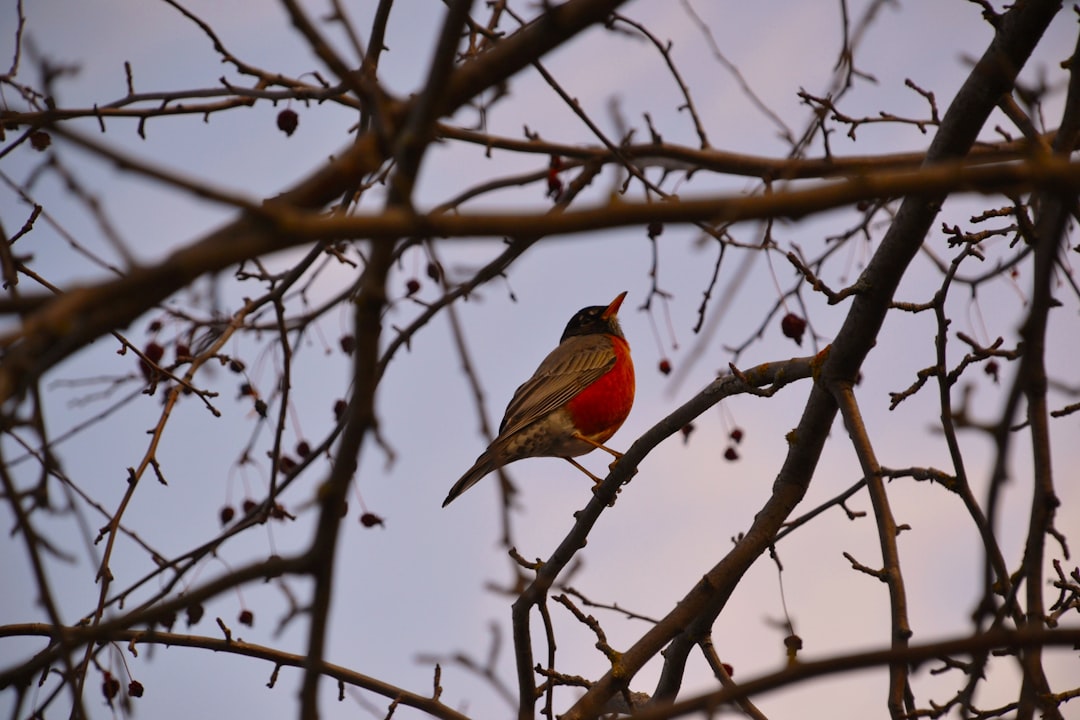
575, 401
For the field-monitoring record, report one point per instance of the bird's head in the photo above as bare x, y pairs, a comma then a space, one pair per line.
596, 319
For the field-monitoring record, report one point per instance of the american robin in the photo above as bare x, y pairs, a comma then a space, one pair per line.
574, 402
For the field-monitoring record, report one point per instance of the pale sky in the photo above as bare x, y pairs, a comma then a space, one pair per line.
417, 587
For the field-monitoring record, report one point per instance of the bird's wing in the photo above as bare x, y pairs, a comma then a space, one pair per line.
576, 363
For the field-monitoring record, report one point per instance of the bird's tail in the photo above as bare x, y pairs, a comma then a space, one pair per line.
484, 464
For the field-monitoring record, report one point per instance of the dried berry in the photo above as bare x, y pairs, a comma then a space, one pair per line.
135, 688
731, 453
686, 430
153, 352
110, 686
183, 352
287, 120
237, 366
40, 140
261, 407
168, 620
434, 271
195, 613
370, 520
226, 514
246, 618
303, 449
249, 506
348, 344
655, 230
665, 366
286, 464
991, 369
412, 286
736, 435
554, 182
340, 406
793, 327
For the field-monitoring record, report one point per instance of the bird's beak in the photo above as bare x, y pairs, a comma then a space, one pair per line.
613, 308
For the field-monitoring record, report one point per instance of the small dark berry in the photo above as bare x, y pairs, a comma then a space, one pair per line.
110, 686
303, 449
412, 286
656, 229
154, 326
40, 140
728, 669
348, 344
245, 390
261, 407
686, 430
237, 366
246, 618
434, 271
340, 406
167, 621
249, 506
135, 688
793, 327
226, 514
194, 613
991, 369
286, 464
183, 352
370, 520
731, 453
665, 366
278, 512
287, 120
153, 352
736, 435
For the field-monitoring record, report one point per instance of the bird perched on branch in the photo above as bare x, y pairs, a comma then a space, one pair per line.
578, 397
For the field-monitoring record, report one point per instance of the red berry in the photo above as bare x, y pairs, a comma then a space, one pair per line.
412, 286
793, 327
686, 430
153, 352
731, 453
226, 514
246, 618
370, 520
286, 464
287, 120
110, 686
183, 352
194, 613
135, 688
665, 366
40, 140
340, 406
991, 369
303, 449
249, 505
736, 435
434, 271
348, 344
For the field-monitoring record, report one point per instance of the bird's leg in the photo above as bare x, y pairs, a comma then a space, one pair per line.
579, 466
614, 453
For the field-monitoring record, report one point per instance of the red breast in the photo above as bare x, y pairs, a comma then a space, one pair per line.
600, 409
